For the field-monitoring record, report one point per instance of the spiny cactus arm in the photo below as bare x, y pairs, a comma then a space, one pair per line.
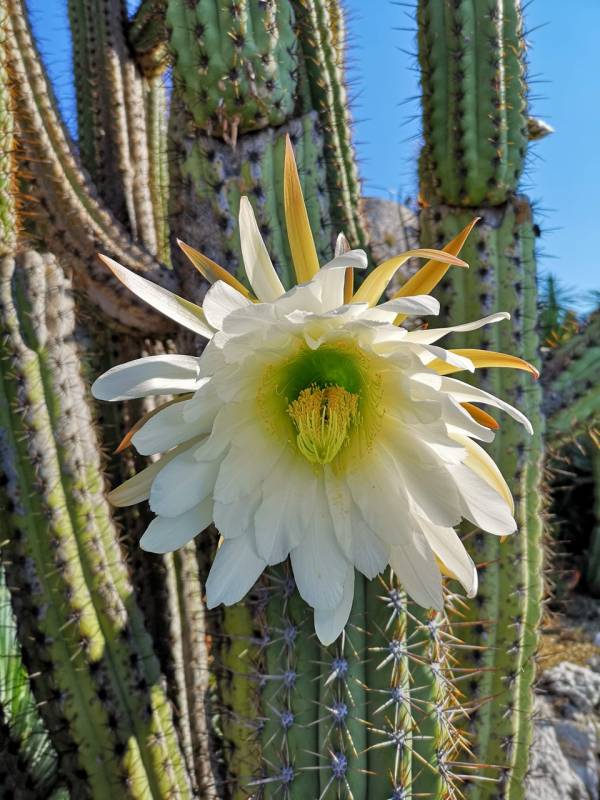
148, 37
112, 114
473, 96
8, 233
192, 674
74, 221
234, 65
114, 724
28, 759
155, 100
504, 614
571, 374
321, 34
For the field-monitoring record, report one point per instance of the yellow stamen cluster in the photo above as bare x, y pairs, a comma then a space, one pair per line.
323, 418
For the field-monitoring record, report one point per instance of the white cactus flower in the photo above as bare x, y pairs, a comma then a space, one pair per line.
314, 426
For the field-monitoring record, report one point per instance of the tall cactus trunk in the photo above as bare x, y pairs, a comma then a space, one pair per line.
475, 127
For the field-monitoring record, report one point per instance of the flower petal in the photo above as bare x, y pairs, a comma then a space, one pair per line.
220, 301
450, 550
414, 564
183, 483
137, 488
171, 305
358, 542
483, 359
166, 534
300, 238
481, 504
431, 335
428, 277
259, 267
234, 571
377, 281
483, 464
421, 304
464, 393
166, 429
318, 563
154, 375
210, 270
329, 623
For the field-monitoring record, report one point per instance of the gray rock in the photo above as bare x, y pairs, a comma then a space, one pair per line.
550, 774
580, 685
564, 756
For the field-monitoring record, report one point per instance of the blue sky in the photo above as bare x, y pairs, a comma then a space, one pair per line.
563, 176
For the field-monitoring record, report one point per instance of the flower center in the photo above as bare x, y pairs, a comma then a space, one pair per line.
323, 417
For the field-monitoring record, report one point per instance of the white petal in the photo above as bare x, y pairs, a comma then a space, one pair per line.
433, 334
183, 483
237, 518
447, 546
318, 563
481, 504
421, 304
358, 542
252, 456
482, 464
168, 374
220, 301
464, 393
428, 352
259, 267
165, 534
171, 305
277, 526
137, 488
329, 623
166, 429
414, 564
234, 572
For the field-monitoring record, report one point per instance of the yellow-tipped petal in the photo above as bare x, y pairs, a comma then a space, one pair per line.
484, 466
482, 359
376, 283
427, 278
300, 238
480, 416
126, 440
168, 303
211, 270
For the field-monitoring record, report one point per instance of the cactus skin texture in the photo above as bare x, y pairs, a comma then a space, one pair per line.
142, 692
471, 56
82, 635
474, 120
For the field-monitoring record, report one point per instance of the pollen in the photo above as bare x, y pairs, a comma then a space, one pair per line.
323, 418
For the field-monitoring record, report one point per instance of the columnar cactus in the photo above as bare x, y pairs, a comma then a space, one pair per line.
472, 58
142, 692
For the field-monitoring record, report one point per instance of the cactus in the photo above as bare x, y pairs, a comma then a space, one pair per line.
475, 128
142, 692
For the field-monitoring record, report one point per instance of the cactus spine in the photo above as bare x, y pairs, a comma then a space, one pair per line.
474, 105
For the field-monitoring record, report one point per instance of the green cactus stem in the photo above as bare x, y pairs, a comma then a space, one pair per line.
82, 634
471, 56
67, 213
571, 397
28, 760
500, 624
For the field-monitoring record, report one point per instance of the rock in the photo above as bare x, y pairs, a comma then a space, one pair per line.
564, 756
550, 774
580, 685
